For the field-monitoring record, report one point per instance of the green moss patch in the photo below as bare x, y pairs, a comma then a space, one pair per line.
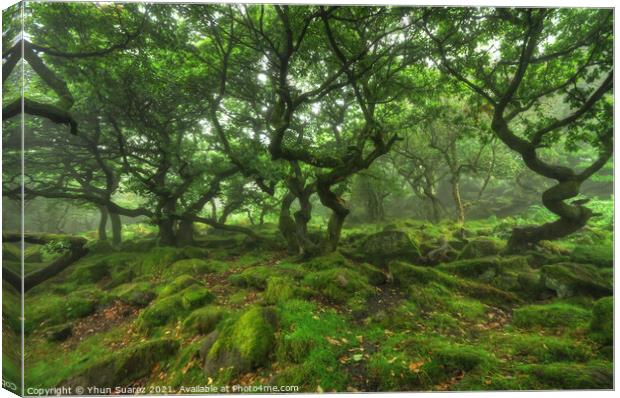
602, 325
242, 345
570, 279
204, 320
554, 315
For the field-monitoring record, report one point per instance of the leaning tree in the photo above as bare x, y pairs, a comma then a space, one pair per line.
546, 76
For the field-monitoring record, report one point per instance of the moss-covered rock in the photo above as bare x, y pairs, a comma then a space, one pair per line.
376, 277
601, 255
123, 367
138, 245
195, 296
204, 320
91, 273
569, 376
406, 275
550, 316
139, 294
338, 284
330, 260
179, 283
279, 289
100, 247
570, 279
602, 325
194, 266
384, 246
243, 345
48, 310
160, 312
255, 277
481, 247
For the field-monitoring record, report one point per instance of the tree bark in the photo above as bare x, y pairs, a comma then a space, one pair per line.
458, 202
166, 232
76, 251
103, 222
286, 223
185, 233
117, 228
572, 217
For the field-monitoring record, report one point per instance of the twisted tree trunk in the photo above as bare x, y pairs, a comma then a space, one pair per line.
76, 251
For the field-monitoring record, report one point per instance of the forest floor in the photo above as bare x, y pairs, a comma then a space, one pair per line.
374, 316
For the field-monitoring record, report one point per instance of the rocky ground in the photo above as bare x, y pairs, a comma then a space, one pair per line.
386, 313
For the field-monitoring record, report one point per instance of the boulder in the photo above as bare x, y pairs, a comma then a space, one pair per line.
570, 279
195, 296
243, 345
602, 325
481, 247
387, 245
120, 368
179, 283
338, 284
204, 320
139, 294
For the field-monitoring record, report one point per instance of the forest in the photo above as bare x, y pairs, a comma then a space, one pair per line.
306, 198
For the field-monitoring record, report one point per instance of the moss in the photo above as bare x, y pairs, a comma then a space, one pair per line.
601, 255
279, 289
338, 284
47, 310
435, 297
11, 252
33, 254
138, 294
91, 273
194, 266
481, 247
138, 245
156, 260
195, 296
160, 312
544, 349
375, 276
455, 357
331, 260
602, 325
382, 247
100, 247
243, 345
255, 277
179, 283
203, 320
406, 275
593, 375
554, 315
569, 279
302, 345
125, 366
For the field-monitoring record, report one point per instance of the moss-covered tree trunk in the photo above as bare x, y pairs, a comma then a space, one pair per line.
185, 233
286, 223
103, 223
458, 202
117, 228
